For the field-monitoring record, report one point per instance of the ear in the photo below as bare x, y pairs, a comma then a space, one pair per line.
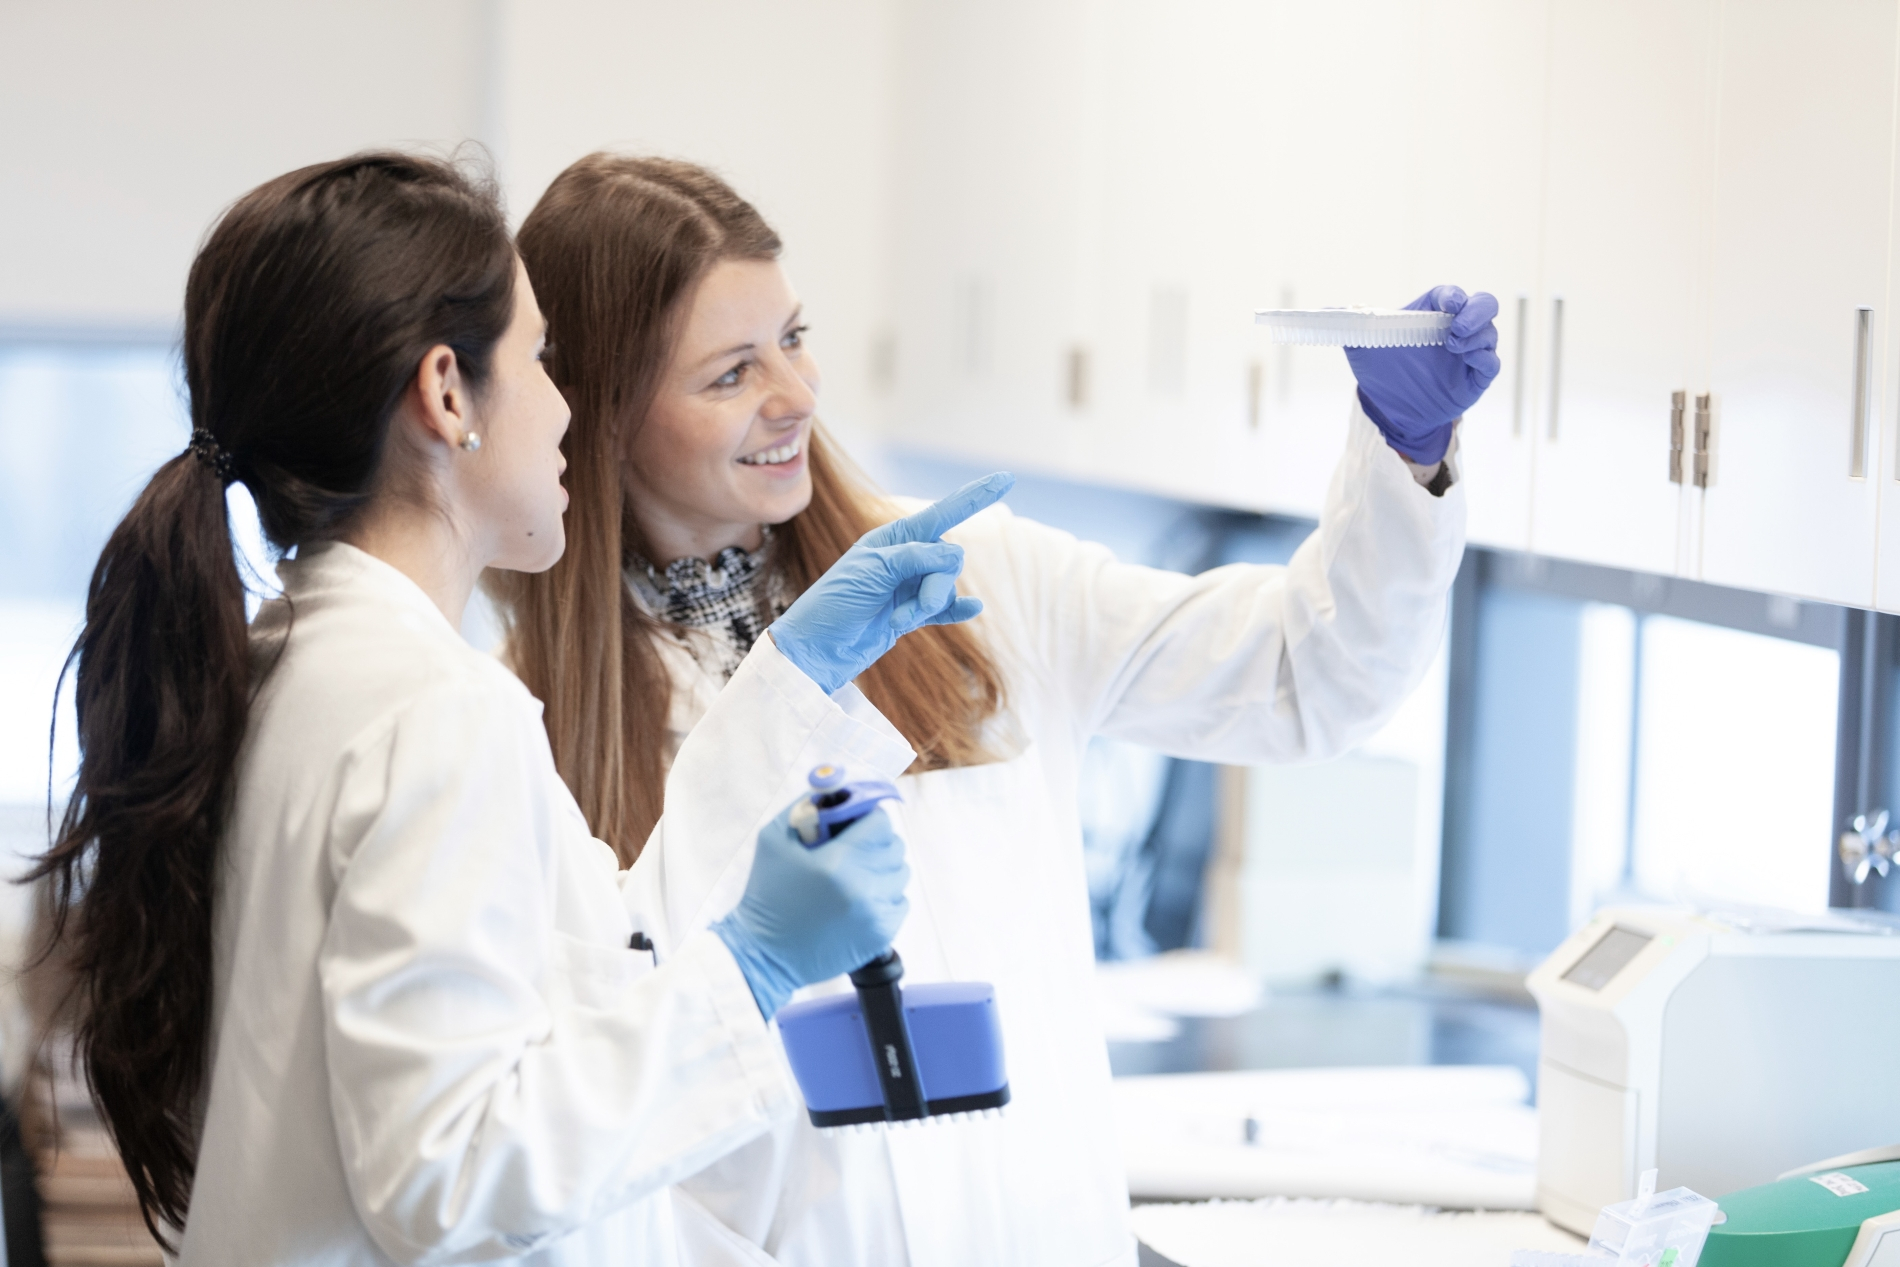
441, 397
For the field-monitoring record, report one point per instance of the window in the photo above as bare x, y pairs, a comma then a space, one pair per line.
1620, 737
82, 425
1734, 754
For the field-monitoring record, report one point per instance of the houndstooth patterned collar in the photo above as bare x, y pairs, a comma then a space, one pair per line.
723, 600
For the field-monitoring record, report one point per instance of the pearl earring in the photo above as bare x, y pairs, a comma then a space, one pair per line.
471, 442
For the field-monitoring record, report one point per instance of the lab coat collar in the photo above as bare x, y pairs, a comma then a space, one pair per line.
337, 571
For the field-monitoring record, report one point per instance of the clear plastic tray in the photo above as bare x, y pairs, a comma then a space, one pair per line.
1355, 327
1664, 1228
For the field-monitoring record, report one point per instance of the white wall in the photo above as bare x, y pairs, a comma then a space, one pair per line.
126, 127
790, 102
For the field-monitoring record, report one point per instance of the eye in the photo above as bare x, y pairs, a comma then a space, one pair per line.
794, 338
547, 350
732, 377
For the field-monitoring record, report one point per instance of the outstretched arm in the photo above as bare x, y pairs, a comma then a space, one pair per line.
1244, 663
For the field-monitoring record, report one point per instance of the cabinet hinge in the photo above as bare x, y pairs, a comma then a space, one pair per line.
1702, 439
1678, 433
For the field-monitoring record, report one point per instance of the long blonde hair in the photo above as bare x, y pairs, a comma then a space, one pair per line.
614, 248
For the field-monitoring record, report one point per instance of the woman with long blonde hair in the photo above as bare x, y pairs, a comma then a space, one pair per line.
711, 496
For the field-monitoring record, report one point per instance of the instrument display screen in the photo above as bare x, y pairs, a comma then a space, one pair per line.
1609, 956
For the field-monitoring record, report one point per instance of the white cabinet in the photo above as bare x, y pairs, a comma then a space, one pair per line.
1885, 473
1667, 196
1226, 191
1331, 140
1717, 211
993, 122
1226, 187
1472, 217
1801, 218
1180, 224
1617, 324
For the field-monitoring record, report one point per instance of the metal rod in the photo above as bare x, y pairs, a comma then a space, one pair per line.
1517, 372
1556, 359
1636, 751
1849, 756
1863, 394
1869, 705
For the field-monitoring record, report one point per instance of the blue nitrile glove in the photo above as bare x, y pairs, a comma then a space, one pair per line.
895, 579
809, 914
1414, 395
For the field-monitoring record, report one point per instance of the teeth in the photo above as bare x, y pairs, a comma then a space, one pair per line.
775, 457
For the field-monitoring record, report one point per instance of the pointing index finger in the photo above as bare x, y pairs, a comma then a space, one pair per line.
934, 520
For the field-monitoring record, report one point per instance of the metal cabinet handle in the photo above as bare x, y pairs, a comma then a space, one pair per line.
1517, 366
1077, 377
1863, 391
1556, 359
1678, 433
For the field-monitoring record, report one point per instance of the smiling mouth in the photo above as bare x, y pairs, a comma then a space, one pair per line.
775, 457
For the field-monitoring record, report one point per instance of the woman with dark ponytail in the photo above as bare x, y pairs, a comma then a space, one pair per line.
352, 980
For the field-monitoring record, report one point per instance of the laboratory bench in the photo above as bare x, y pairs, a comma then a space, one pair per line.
1306, 1032
1318, 1027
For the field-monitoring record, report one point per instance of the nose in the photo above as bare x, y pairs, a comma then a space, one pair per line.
792, 399
558, 400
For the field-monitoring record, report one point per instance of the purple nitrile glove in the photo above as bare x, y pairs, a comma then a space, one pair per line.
1414, 395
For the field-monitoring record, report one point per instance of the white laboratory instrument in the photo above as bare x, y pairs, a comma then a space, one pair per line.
1721, 1050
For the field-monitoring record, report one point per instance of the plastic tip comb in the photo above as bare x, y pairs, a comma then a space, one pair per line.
935, 1119
1355, 327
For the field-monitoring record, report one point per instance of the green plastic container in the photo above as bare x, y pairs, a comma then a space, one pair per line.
1798, 1222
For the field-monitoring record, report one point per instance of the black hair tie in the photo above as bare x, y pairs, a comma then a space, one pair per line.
205, 447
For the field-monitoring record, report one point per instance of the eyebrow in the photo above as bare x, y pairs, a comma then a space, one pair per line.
747, 347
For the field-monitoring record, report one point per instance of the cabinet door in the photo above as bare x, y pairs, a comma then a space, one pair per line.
1799, 243
1884, 472
1377, 193
1334, 126
1170, 282
1476, 225
1626, 195
994, 110
1242, 178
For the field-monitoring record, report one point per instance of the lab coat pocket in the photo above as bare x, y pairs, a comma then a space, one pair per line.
590, 975
706, 1242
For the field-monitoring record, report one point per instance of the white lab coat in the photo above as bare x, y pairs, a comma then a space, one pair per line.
431, 1042
1240, 664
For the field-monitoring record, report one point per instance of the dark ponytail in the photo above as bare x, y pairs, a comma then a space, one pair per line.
307, 314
